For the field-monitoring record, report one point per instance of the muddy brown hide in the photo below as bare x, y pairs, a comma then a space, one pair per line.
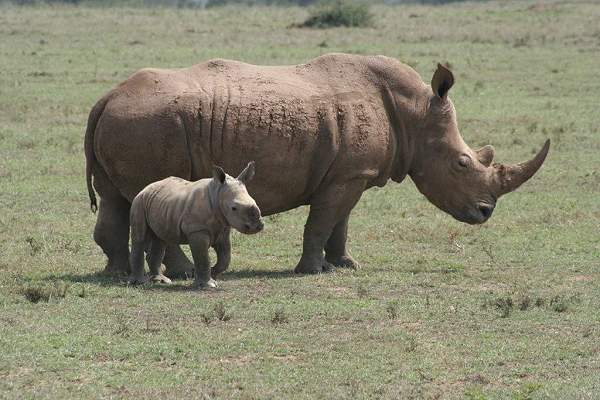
320, 133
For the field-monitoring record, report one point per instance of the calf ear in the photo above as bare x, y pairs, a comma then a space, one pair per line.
442, 81
218, 174
247, 174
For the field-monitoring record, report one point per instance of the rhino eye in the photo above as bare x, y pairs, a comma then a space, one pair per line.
234, 208
464, 161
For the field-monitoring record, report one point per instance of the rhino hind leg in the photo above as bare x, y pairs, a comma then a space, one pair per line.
327, 209
336, 252
112, 226
177, 264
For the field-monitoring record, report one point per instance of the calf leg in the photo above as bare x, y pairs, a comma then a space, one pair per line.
199, 244
336, 252
112, 226
155, 259
223, 249
327, 208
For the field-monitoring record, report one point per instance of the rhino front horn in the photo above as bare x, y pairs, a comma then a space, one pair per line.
512, 176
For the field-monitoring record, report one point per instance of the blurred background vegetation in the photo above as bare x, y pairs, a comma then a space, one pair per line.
213, 3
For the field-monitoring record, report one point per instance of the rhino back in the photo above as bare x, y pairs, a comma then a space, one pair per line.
304, 125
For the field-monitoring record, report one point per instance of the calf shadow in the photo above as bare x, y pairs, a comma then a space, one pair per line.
104, 280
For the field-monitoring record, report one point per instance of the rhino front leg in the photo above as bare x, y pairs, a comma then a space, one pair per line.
326, 209
336, 252
199, 244
177, 265
223, 249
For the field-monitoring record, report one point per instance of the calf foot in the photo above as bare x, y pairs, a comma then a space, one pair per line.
160, 278
345, 261
205, 285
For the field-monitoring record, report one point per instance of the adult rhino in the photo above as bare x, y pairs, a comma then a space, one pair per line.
321, 133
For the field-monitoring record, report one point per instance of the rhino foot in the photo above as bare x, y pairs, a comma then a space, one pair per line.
116, 269
210, 284
178, 266
180, 271
344, 262
137, 280
161, 279
318, 268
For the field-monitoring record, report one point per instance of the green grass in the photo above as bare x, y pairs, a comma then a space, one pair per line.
510, 309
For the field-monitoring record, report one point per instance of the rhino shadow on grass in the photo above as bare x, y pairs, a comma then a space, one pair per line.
102, 279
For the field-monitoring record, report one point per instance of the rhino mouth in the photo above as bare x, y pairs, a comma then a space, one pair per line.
253, 227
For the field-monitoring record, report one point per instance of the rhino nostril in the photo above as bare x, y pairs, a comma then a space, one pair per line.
486, 211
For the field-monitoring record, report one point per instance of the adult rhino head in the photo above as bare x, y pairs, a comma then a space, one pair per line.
457, 179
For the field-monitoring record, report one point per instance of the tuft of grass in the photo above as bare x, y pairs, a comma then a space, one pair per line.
524, 302
34, 245
44, 293
362, 292
505, 305
334, 13
559, 303
206, 318
36, 294
392, 309
279, 317
220, 312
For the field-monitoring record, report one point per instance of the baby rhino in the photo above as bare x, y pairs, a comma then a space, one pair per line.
200, 213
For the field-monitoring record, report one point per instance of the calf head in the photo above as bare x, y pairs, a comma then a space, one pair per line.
461, 181
238, 207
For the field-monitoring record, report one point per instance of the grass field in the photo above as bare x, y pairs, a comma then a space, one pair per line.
510, 309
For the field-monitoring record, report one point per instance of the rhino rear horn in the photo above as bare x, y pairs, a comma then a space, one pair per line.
512, 176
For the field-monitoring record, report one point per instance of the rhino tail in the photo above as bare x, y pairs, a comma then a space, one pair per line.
90, 156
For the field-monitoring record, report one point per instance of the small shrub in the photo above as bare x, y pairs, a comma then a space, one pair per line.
332, 13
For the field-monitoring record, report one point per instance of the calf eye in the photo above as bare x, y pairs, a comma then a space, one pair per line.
234, 208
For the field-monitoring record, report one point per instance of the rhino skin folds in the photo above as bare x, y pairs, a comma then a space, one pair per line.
321, 133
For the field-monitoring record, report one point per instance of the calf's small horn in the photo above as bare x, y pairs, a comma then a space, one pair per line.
511, 177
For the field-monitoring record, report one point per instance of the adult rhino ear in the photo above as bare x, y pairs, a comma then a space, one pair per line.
247, 174
485, 155
218, 174
442, 81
